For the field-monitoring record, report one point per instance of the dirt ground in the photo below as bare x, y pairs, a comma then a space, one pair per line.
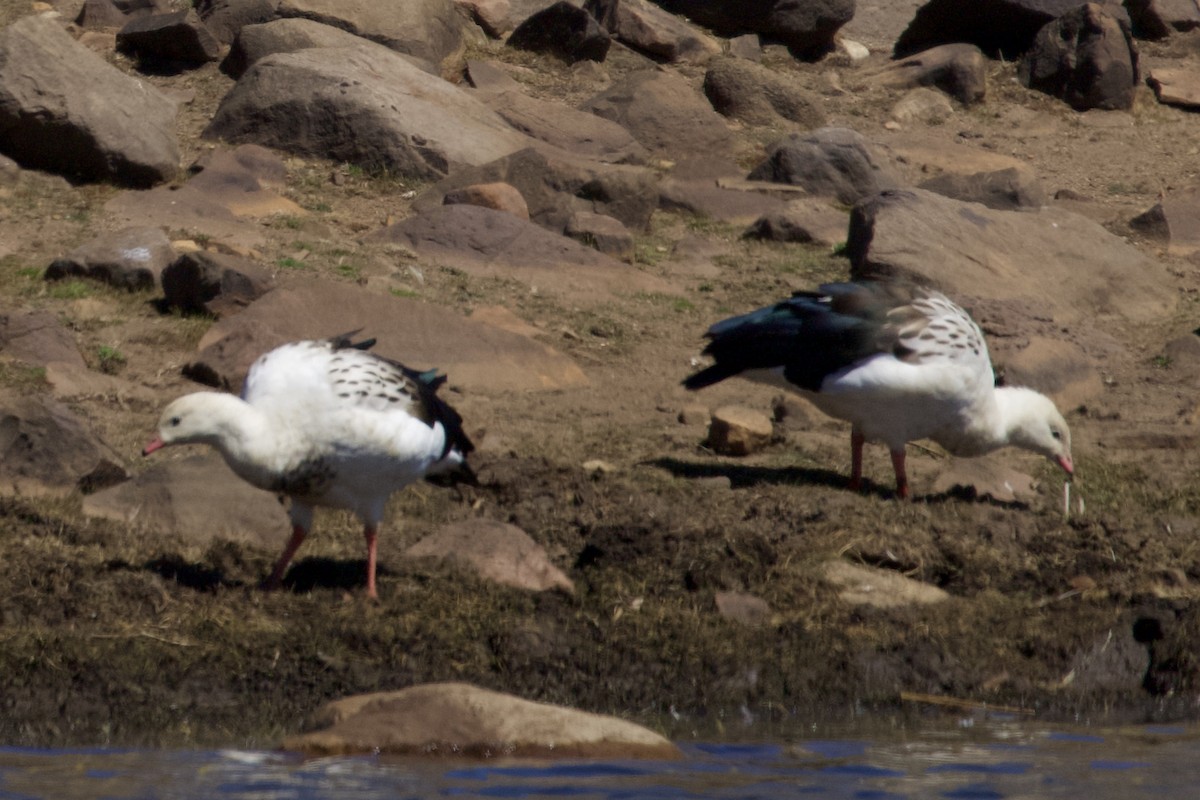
109, 636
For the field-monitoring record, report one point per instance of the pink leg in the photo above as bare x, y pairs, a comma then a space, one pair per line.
371, 532
857, 440
901, 474
273, 582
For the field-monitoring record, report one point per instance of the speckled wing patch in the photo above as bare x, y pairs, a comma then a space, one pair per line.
368, 381
932, 328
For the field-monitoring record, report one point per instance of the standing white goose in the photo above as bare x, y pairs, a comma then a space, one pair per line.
897, 362
327, 424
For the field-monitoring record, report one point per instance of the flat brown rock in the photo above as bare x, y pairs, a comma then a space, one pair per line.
489, 243
197, 498
496, 551
474, 355
446, 719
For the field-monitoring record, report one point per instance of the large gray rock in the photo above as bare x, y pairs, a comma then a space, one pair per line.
1086, 58
664, 113
831, 162
45, 449
432, 30
257, 41
1157, 19
447, 719
645, 27
65, 110
997, 27
752, 93
1068, 265
807, 28
563, 30
179, 37
224, 18
566, 128
365, 106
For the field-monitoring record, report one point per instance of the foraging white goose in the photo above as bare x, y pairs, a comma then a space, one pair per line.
897, 362
327, 424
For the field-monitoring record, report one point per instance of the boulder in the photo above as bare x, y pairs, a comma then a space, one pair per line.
498, 196
37, 338
1056, 368
179, 37
493, 16
45, 449
563, 30
808, 29
664, 113
1000, 28
569, 130
734, 201
477, 357
1070, 265
830, 162
365, 106
1158, 19
493, 244
495, 551
984, 477
1173, 221
65, 110
757, 95
130, 258
213, 283
257, 41
601, 232
457, 719
645, 27
432, 30
959, 70
1010, 189
802, 220
197, 498
1086, 58
224, 18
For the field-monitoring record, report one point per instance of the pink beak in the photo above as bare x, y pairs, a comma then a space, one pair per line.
155, 444
1067, 464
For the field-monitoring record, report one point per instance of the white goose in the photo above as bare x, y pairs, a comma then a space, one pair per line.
327, 424
897, 362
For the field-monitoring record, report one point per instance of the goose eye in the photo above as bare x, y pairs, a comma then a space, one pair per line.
1056, 434
174, 422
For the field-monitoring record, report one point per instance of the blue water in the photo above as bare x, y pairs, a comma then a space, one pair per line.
966, 761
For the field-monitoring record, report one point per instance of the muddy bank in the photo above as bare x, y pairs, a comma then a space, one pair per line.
122, 639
